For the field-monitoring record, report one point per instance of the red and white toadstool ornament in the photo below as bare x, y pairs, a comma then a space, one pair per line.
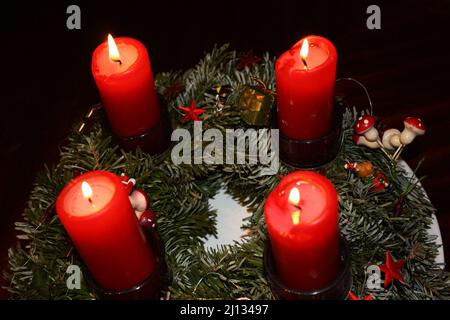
367, 135
362, 141
391, 139
413, 127
365, 126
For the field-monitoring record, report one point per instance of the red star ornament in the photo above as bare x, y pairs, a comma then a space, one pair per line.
392, 269
191, 112
351, 296
173, 89
248, 59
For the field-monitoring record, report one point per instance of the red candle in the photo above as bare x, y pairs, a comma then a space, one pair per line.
305, 77
97, 214
302, 221
124, 79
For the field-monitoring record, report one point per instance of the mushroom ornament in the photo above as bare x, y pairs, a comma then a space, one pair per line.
362, 141
391, 139
368, 134
413, 127
366, 126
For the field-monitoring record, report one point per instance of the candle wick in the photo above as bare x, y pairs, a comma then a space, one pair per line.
120, 62
297, 207
304, 62
90, 201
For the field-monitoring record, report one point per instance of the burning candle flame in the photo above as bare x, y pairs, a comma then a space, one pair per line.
294, 196
304, 51
86, 190
114, 54
295, 217
294, 199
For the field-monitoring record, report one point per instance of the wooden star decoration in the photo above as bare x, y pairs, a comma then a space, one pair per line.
352, 296
191, 112
392, 269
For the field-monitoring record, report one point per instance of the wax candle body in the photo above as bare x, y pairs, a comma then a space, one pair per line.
105, 230
127, 88
305, 93
305, 241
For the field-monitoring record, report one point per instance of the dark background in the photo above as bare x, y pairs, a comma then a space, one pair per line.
46, 83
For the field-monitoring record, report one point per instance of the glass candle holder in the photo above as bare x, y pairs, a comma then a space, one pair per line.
154, 141
337, 289
315, 153
149, 289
